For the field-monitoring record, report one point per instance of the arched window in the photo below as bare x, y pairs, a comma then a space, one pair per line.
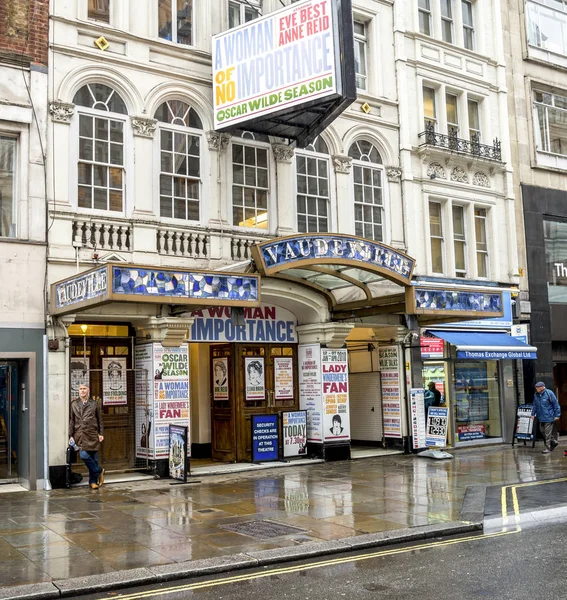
313, 189
250, 179
368, 174
180, 160
101, 147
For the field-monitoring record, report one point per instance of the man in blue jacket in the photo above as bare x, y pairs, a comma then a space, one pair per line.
547, 410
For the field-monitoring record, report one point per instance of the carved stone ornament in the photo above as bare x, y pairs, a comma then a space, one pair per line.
436, 171
393, 174
61, 112
460, 175
143, 127
481, 179
283, 153
342, 164
218, 141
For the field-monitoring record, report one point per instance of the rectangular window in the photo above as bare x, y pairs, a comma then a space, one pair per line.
468, 26
99, 10
424, 8
550, 118
474, 121
451, 102
360, 53
312, 194
429, 110
8, 186
241, 12
249, 186
101, 163
547, 26
459, 241
175, 21
480, 215
180, 177
368, 204
447, 21
436, 236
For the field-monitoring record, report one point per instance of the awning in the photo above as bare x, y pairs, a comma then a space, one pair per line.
474, 345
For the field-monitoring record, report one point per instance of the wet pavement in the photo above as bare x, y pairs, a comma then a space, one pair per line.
56, 535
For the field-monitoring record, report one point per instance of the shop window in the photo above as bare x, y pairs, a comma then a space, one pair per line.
8, 149
99, 10
368, 177
313, 190
180, 160
101, 148
175, 21
240, 12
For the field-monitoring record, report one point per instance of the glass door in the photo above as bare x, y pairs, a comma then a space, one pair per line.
8, 422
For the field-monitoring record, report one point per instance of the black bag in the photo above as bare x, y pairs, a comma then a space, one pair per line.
70, 477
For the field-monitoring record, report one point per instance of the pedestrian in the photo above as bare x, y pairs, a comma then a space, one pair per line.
436, 393
547, 410
86, 431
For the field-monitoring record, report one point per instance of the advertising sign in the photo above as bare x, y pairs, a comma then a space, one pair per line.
255, 378
178, 461
220, 379
520, 332
294, 433
431, 347
334, 375
417, 407
436, 430
310, 398
265, 438
283, 377
270, 324
467, 433
114, 382
144, 362
389, 364
524, 423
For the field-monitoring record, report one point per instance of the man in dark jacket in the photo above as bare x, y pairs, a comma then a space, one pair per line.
547, 410
86, 429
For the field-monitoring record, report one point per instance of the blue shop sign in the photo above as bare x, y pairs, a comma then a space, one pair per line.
265, 438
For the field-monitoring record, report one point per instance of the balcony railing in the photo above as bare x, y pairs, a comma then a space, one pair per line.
451, 142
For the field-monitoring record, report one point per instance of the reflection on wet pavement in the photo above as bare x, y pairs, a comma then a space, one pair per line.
69, 533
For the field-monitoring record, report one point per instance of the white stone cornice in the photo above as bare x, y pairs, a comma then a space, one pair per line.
61, 112
143, 127
283, 153
342, 164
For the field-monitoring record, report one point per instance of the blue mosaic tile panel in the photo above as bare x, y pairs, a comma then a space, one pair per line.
451, 300
366, 252
81, 288
161, 283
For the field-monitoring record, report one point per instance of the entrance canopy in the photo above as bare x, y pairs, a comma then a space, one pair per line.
486, 346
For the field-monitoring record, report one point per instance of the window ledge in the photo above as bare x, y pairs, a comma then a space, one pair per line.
547, 57
550, 161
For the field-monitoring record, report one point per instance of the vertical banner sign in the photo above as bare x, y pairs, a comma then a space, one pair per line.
334, 373
171, 393
310, 399
524, 423
145, 431
265, 438
220, 379
294, 433
417, 407
255, 378
283, 377
178, 461
114, 382
389, 363
437, 421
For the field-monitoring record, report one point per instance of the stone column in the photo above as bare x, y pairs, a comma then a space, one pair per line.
218, 215
332, 335
344, 204
394, 209
285, 198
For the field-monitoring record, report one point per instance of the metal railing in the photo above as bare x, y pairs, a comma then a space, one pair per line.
451, 142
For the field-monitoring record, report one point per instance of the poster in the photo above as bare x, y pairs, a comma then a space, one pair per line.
466, 433
436, 430
220, 379
265, 438
431, 347
255, 378
283, 377
80, 374
294, 433
389, 363
417, 407
310, 400
524, 423
334, 376
144, 389
178, 461
114, 382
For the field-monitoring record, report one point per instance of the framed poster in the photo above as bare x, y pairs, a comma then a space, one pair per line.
294, 433
524, 424
255, 378
390, 381
334, 375
178, 461
114, 382
283, 377
310, 397
220, 379
417, 407
80, 374
265, 438
436, 430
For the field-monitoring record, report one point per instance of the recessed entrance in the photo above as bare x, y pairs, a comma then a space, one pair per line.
9, 421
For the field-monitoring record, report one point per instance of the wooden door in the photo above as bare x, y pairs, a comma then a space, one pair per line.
223, 402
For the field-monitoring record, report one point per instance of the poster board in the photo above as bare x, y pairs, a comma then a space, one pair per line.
178, 461
310, 397
220, 378
334, 377
436, 430
255, 378
390, 380
283, 377
524, 429
265, 438
294, 433
417, 408
80, 374
114, 381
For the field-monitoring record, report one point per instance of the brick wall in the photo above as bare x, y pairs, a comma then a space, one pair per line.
24, 27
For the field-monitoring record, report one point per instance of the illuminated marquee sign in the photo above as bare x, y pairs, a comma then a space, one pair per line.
295, 57
79, 289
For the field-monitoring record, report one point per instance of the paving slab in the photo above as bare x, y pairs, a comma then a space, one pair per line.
34, 591
208, 566
105, 581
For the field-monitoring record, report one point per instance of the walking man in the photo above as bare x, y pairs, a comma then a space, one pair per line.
86, 429
546, 408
